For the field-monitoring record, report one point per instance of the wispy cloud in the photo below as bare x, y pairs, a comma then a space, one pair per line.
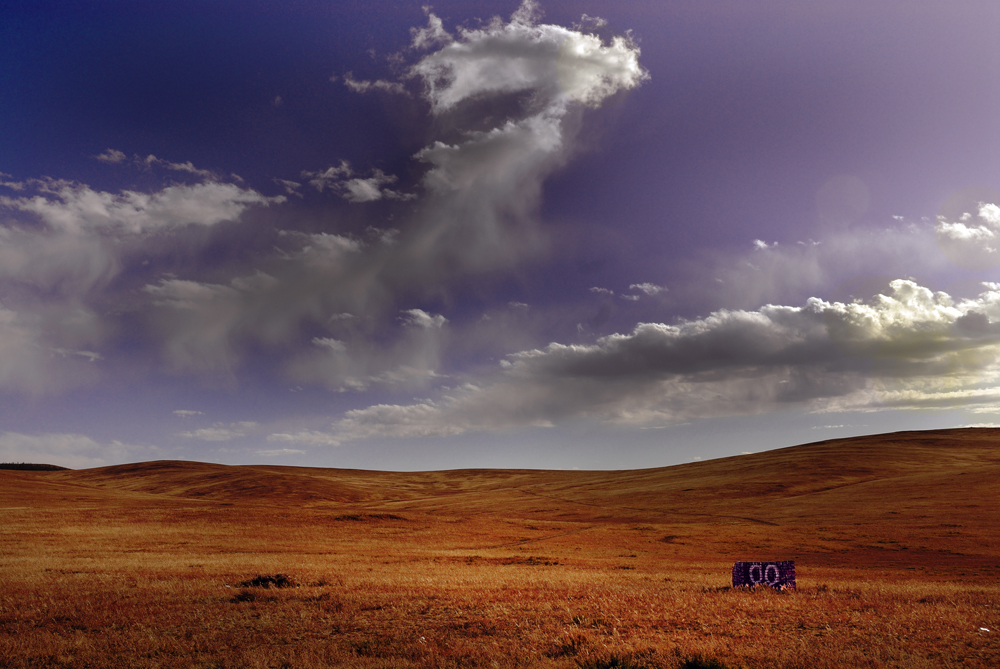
221, 431
112, 156
342, 180
361, 86
648, 288
70, 207
278, 452
75, 451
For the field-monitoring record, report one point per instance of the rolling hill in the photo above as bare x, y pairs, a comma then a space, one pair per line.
903, 498
896, 540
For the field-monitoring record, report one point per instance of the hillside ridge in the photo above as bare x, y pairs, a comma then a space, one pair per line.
797, 481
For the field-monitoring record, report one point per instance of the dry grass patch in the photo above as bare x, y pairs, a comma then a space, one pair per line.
502, 569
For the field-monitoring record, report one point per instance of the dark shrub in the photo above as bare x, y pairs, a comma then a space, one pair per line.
612, 662
276, 581
702, 663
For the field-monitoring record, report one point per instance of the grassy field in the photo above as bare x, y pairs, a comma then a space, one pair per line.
896, 540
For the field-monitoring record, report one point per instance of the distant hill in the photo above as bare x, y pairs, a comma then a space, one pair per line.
31, 467
856, 475
911, 500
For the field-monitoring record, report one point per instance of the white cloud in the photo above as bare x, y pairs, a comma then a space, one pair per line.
360, 86
647, 288
274, 453
66, 450
357, 189
184, 413
422, 319
330, 343
112, 156
561, 65
71, 207
91, 356
87, 238
990, 214
307, 438
588, 21
371, 189
973, 240
477, 214
602, 291
968, 228
202, 325
790, 273
330, 176
929, 352
485, 188
13, 185
433, 35
221, 431
411, 359
384, 420
186, 166
291, 187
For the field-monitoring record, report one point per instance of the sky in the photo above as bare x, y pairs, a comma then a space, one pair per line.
577, 234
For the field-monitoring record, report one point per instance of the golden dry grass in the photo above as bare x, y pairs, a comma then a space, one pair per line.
895, 538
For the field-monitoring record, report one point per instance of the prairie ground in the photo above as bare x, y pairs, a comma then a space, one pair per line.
896, 540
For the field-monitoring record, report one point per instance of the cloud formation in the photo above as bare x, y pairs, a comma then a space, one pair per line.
362, 86
968, 229
75, 451
220, 431
341, 179
61, 246
647, 288
559, 65
43, 352
926, 350
355, 363
838, 261
74, 208
476, 214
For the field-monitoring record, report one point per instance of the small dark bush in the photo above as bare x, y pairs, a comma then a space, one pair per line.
276, 581
568, 648
612, 662
702, 663
244, 596
358, 517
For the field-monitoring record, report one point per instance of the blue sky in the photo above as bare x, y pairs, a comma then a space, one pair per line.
484, 234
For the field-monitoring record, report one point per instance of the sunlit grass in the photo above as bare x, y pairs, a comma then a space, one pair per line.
108, 576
